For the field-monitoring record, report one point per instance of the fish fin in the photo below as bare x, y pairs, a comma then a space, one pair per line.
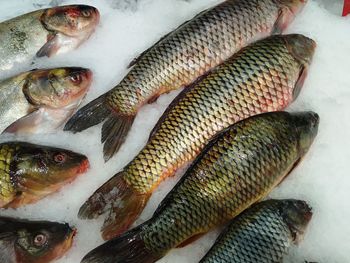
175, 102
300, 82
50, 48
90, 115
285, 17
128, 248
297, 162
26, 124
190, 240
119, 201
114, 133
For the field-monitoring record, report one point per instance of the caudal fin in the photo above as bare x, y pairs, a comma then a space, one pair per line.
119, 202
114, 132
90, 115
129, 248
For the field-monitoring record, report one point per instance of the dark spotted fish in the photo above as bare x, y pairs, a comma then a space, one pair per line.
30, 172
238, 167
24, 241
263, 233
179, 59
266, 76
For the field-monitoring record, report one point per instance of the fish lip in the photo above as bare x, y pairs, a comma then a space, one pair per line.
84, 166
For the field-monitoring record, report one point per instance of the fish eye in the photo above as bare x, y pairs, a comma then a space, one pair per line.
76, 79
60, 158
86, 13
40, 240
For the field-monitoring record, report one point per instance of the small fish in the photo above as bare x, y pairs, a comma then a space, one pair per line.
179, 59
45, 32
265, 76
30, 172
41, 100
24, 241
239, 167
263, 233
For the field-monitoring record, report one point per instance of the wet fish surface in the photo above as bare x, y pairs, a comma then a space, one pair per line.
263, 233
30, 172
239, 167
45, 32
265, 76
24, 241
40, 101
179, 59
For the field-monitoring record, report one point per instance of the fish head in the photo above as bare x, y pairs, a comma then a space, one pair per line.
48, 168
297, 215
71, 20
39, 242
306, 127
57, 88
302, 50
295, 6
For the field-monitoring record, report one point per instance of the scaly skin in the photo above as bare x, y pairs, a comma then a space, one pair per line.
238, 167
263, 233
179, 59
265, 76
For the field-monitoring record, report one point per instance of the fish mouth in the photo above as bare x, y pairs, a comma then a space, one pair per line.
84, 166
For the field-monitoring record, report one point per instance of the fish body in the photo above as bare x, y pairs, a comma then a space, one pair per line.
44, 33
30, 172
263, 233
179, 59
41, 100
24, 241
265, 76
239, 166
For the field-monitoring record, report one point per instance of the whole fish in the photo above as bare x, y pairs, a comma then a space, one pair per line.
41, 100
179, 59
30, 172
263, 233
45, 32
24, 241
238, 167
266, 76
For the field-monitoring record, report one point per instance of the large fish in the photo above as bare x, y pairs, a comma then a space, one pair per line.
266, 76
180, 58
264, 233
24, 241
238, 167
30, 172
41, 100
44, 33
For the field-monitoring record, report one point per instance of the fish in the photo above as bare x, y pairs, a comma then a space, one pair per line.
179, 59
239, 167
30, 172
45, 32
263, 233
41, 100
24, 241
265, 76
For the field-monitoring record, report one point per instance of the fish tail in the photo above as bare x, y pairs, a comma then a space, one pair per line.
90, 115
114, 132
119, 202
128, 248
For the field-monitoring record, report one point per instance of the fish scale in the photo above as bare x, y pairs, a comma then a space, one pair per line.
207, 108
240, 166
181, 58
260, 234
233, 91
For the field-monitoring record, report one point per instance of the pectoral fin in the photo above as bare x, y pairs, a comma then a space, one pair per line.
50, 48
